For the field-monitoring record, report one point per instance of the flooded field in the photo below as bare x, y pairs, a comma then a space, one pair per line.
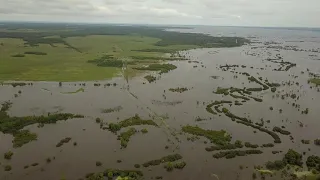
257, 93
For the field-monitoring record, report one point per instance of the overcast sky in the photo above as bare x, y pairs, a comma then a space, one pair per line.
296, 13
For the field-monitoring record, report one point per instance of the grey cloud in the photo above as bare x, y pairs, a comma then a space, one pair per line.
207, 12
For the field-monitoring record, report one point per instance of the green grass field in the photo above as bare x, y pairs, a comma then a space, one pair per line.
315, 81
65, 64
72, 52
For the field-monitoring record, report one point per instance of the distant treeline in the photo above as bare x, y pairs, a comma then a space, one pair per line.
73, 30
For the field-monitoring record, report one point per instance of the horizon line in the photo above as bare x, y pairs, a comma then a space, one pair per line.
152, 24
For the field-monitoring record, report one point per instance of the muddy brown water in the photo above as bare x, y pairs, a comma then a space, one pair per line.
95, 144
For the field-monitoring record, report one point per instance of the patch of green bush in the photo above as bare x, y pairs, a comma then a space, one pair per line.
249, 145
98, 163
251, 78
150, 78
315, 81
23, 137
178, 89
233, 154
293, 158
220, 90
209, 109
169, 166
220, 102
254, 89
281, 131
240, 91
236, 145
177, 165
7, 168
144, 131
218, 137
274, 135
257, 99
112, 173
12, 125
5, 106
125, 137
110, 110
98, 120
8, 155
239, 97
303, 141
232, 116
275, 165
313, 162
133, 121
34, 164
63, 141
169, 158
268, 145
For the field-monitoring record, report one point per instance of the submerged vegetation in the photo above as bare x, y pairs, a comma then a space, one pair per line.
7, 168
23, 137
163, 68
150, 78
174, 165
291, 157
236, 145
74, 92
125, 137
217, 137
113, 173
248, 122
63, 141
179, 90
110, 110
313, 162
249, 145
281, 131
315, 81
169, 158
14, 125
233, 154
133, 121
8, 155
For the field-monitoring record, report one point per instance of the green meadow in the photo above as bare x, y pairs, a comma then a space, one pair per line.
44, 54
65, 64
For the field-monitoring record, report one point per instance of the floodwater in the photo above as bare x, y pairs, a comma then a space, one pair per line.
154, 100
